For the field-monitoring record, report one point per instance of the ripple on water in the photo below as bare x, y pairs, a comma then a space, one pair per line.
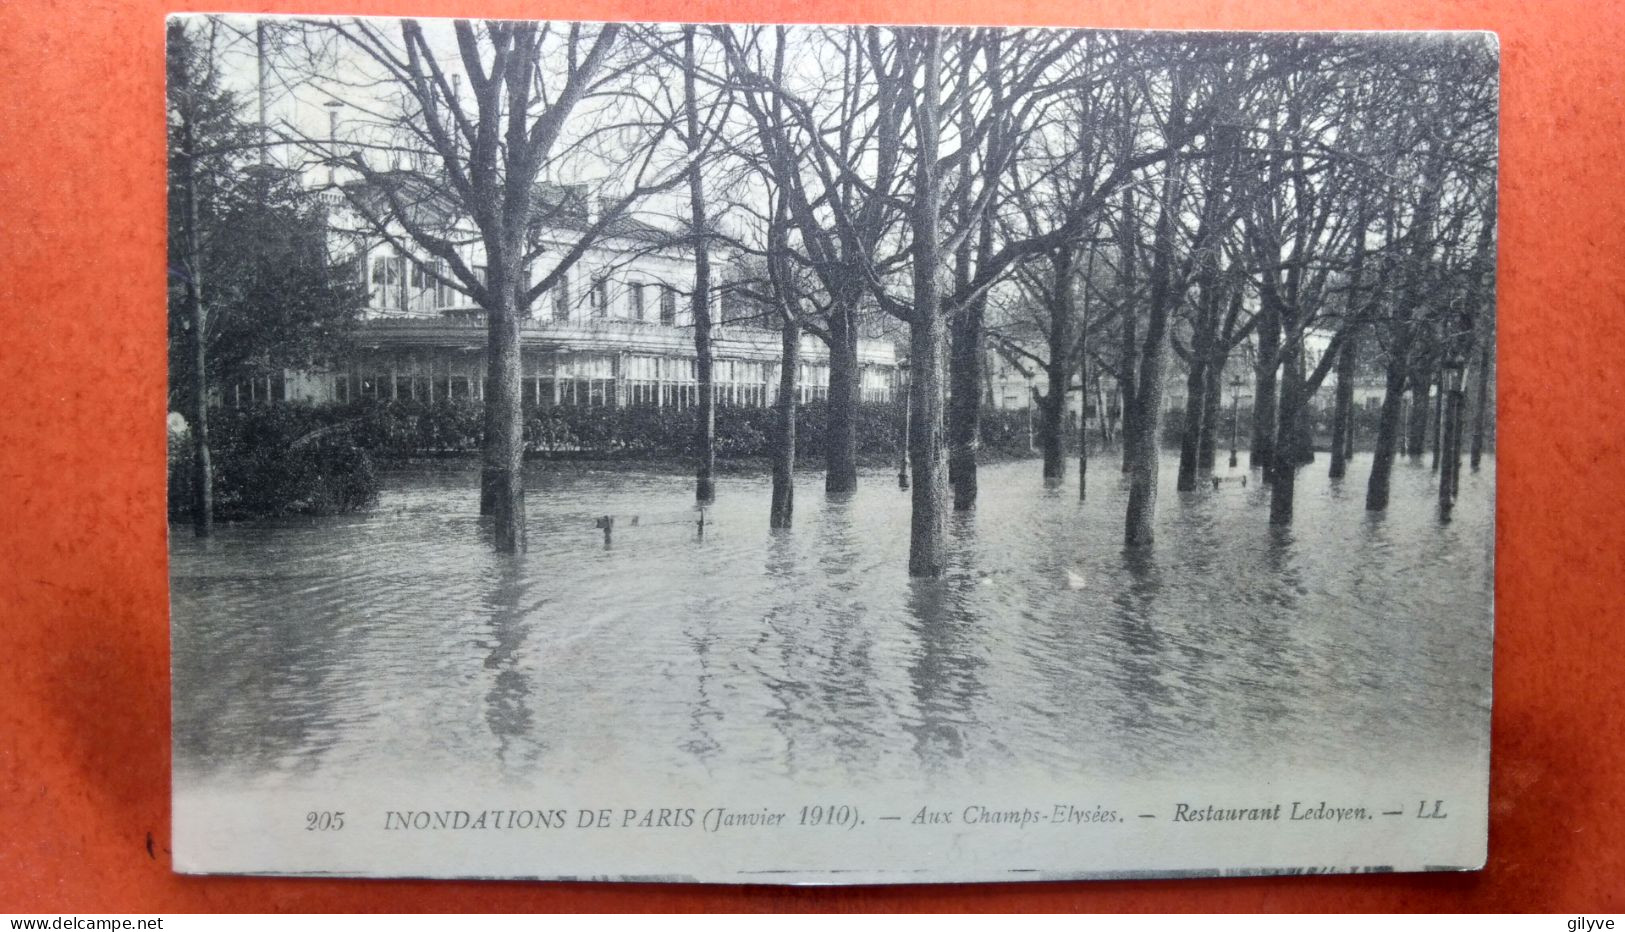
396, 638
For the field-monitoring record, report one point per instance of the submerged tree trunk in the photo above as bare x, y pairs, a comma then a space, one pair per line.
1083, 415
926, 461
1199, 375
1140, 440
926, 336
1058, 371
1438, 430
1052, 410
1284, 463
1382, 459
840, 426
1206, 439
1343, 407
965, 349
964, 412
1481, 400
784, 452
1190, 436
706, 432
1449, 404
1127, 382
1261, 451
1348, 438
503, 485
1416, 432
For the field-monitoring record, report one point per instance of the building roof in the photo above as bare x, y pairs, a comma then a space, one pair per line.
558, 207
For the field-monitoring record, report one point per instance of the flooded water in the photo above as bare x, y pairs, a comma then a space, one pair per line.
396, 640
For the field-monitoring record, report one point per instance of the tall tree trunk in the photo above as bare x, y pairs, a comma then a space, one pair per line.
1190, 435
1083, 413
1448, 428
926, 460
1438, 428
503, 485
1127, 381
197, 315
1343, 406
926, 337
1141, 437
965, 411
1102, 420
1261, 450
1303, 446
841, 426
1452, 453
1348, 437
1204, 334
706, 432
1052, 409
784, 453
1382, 458
965, 337
1484, 327
1481, 397
1058, 373
1417, 429
1288, 441
1206, 439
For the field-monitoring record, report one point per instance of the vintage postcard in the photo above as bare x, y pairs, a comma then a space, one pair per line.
829, 454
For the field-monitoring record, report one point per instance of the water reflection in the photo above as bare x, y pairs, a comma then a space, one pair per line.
945, 671
395, 640
508, 707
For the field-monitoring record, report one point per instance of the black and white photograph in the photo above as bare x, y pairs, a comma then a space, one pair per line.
833, 454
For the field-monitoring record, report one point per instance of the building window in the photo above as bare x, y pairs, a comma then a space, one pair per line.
636, 289
561, 298
668, 305
386, 279
444, 294
599, 298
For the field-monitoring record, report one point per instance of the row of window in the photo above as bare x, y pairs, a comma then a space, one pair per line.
548, 392
402, 282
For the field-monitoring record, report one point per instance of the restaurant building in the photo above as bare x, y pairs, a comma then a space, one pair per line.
618, 331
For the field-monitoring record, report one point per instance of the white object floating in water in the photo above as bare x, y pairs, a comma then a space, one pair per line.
1075, 580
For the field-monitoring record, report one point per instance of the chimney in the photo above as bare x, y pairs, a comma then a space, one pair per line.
332, 140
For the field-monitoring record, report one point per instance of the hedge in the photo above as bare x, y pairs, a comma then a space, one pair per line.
410, 428
298, 459
275, 460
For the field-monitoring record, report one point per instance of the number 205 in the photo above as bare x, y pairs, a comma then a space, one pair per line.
324, 821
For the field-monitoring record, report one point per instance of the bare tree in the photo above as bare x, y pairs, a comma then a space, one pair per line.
487, 147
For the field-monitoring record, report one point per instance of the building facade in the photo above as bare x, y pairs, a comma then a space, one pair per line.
616, 331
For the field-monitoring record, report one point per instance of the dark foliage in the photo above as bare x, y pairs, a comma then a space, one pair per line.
277, 460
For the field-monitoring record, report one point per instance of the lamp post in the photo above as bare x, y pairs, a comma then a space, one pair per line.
1235, 416
1453, 369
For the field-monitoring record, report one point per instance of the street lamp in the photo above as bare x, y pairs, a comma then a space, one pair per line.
1235, 416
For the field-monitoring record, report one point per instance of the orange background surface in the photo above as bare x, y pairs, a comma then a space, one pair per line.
84, 694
